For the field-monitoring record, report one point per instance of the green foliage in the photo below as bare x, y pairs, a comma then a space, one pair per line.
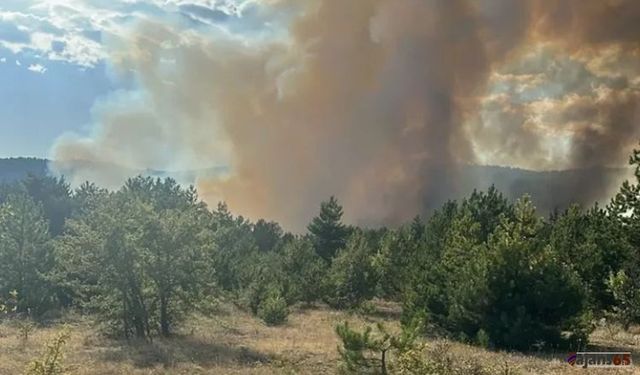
352, 277
531, 294
304, 271
25, 254
52, 360
396, 252
626, 291
25, 327
482, 338
327, 231
139, 259
367, 351
438, 360
593, 244
510, 290
481, 270
624, 283
234, 246
273, 309
362, 352
54, 195
266, 234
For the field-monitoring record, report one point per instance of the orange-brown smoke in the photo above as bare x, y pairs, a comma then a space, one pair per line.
373, 101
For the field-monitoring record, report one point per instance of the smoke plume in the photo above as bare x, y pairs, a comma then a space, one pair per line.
378, 102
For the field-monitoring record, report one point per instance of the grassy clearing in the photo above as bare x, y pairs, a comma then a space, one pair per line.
234, 342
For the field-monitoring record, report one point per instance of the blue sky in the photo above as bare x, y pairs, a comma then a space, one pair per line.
35, 108
54, 64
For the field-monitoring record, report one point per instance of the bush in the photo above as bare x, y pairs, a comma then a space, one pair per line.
304, 270
512, 291
627, 297
438, 360
367, 352
352, 277
51, 362
273, 310
532, 297
482, 338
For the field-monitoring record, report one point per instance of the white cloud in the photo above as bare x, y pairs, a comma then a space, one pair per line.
3, 60
78, 50
37, 68
72, 30
18, 63
42, 41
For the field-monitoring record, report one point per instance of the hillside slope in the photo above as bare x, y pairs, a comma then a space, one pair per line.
549, 189
13, 169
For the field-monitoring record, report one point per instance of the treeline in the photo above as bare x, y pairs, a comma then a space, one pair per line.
482, 270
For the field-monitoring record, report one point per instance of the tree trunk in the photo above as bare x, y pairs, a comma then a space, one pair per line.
164, 315
384, 363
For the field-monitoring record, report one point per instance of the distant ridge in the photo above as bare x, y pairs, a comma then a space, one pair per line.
549, 190
14, 169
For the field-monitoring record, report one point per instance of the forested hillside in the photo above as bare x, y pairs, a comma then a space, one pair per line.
550, 190
13, 169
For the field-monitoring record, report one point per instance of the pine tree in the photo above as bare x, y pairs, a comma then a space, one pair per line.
139, 258
594, 244
266, 234
25, 254
304, 269
54, 196
531, 295
328, 233
624, 284
352, 278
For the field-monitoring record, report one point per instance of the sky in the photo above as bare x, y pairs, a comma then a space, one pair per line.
375, 101
55, 66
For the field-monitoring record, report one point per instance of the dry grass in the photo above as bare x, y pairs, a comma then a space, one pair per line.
233, 342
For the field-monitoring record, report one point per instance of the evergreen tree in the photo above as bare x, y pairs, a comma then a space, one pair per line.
532, 296
233, 244
624, 284
328, 233
594, 244
138, 259
266, 234
25, 254
304, 269
396, 253
173, 250
352, 278
54, 195
487, 209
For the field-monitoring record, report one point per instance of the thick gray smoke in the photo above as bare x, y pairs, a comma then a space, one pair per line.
378, 102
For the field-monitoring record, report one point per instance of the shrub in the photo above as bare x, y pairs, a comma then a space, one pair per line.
531, 296
25, 327
438, 360
627, 297
512, 291
273, 309
482, 338
51, 362
366, 352
363, 352
352, 277
304, 270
